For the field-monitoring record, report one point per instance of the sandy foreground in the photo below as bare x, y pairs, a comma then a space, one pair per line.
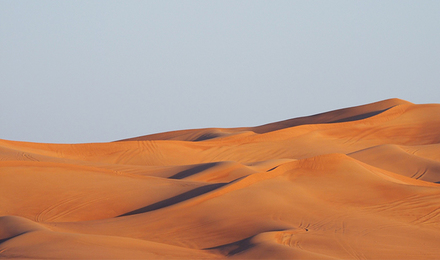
354, 183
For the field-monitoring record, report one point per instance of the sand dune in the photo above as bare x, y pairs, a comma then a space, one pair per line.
355, 183
396, 159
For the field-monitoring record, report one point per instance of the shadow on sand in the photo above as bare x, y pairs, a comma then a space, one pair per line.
176, 199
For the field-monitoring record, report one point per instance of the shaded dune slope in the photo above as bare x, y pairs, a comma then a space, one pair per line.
354, 183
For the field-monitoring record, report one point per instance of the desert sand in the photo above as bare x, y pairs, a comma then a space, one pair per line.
355, 183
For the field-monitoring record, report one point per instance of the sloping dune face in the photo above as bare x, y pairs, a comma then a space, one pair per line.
355, 183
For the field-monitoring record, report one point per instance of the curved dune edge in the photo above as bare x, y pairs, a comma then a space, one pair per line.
354, 183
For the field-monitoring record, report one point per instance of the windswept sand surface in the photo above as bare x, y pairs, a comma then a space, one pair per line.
355, 183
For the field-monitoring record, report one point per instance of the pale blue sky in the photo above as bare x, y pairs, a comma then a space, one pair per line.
96, 71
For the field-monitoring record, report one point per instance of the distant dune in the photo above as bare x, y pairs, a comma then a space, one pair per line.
355, 183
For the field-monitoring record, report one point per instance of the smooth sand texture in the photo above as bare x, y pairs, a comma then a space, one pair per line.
355, 183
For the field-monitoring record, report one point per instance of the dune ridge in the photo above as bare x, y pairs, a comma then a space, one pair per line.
355, 183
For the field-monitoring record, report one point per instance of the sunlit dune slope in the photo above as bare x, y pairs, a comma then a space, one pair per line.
396, 159
355, 183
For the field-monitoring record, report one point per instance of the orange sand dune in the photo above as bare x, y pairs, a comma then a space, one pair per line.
355, 183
